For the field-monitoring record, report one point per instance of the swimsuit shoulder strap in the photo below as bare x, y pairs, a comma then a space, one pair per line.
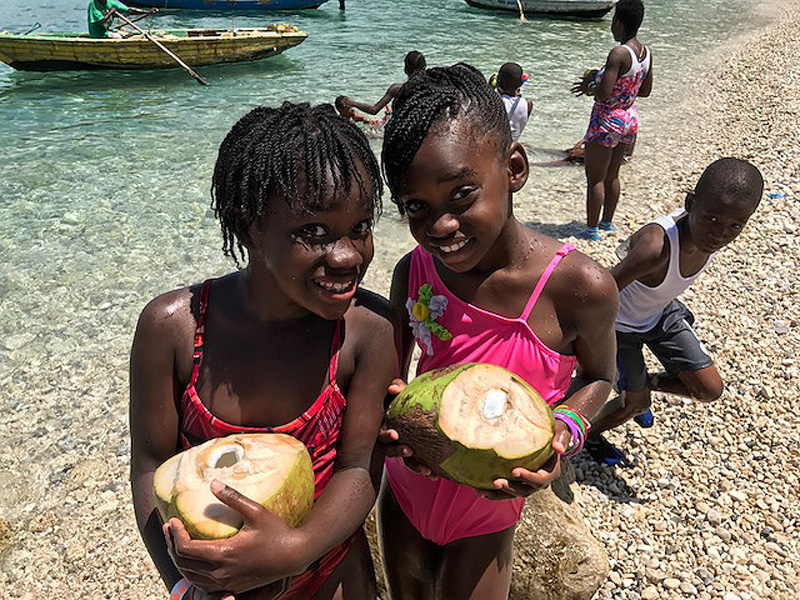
335, 353
200, 331
537, 291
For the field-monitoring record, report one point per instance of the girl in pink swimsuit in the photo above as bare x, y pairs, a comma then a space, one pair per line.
289, 344
496, 292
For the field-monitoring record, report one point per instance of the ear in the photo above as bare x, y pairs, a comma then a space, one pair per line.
689, 203
517, 165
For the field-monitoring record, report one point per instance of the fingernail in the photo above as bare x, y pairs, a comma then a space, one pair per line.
216, 485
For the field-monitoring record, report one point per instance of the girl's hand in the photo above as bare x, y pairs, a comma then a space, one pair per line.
264, 552
527, 482
581, 88
391, 440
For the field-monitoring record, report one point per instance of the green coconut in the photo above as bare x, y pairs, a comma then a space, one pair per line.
473, 423
272, 469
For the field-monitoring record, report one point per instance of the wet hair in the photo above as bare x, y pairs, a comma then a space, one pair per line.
509, 77
306, 155
432, 97
414, 62
339, 103
630, 13
731, 177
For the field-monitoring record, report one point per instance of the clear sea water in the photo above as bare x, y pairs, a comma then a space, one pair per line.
105, 175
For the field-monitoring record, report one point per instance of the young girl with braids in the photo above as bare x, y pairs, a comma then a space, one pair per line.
496, 292
287, 344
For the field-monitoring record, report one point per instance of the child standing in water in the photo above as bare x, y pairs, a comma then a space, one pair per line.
288, 344
509, 85
613, 125
505, 295
662, 259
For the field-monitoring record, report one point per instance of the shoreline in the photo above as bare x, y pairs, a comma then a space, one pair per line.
720, 476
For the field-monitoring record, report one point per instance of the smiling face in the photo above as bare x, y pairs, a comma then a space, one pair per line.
457, 194
312, 263
716, 219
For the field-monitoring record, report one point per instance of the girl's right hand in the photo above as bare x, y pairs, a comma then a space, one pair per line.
391, 440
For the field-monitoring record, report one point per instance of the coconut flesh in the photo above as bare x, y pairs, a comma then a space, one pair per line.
473, 423
272, 469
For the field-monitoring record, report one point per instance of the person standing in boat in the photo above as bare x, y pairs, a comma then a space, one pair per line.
101, 14
414, 63
628, 73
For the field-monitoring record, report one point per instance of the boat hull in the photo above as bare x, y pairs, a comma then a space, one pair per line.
228, 5
196, 47
589, 9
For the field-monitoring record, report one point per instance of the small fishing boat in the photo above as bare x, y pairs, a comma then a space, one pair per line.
228, 5
588, 9
196, 47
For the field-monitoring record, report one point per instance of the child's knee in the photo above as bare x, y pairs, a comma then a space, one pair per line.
709, 392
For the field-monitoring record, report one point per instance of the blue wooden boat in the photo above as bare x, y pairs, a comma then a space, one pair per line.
228, 5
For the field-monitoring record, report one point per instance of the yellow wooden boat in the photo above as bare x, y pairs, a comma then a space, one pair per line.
196, 47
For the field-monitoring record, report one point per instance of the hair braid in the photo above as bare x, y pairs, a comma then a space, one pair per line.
434, 96
304, 154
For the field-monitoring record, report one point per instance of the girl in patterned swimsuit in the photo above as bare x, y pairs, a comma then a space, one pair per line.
614, 122
493, 291
288, 344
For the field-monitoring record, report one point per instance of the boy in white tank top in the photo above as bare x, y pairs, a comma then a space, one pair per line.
509, 85
660, 261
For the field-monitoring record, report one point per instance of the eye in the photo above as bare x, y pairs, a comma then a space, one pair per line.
463, 193
312, 232
414, 206
363, 228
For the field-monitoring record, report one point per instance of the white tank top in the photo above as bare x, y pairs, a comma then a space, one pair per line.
641, 306
517, 111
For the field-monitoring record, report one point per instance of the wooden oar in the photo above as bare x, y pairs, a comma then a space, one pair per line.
163, 47
521, 12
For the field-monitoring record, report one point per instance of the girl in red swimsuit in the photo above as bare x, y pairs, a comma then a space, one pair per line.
288, 344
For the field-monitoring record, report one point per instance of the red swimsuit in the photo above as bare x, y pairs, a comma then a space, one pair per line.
318, 428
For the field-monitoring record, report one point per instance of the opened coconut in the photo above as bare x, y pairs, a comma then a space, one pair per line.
272, 469
473, 423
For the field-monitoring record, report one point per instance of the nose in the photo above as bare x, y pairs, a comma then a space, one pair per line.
443, 227
345, 253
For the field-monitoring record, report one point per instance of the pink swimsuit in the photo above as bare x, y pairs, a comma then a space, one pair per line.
615, 120
441, 510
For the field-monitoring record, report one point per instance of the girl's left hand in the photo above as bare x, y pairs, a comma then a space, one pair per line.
265, 550
528, 482
580, 88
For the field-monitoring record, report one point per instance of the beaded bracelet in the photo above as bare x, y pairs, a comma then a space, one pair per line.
180, 589
577, 424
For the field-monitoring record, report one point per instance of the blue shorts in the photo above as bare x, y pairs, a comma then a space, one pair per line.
673, 342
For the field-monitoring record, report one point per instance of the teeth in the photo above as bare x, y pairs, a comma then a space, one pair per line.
336, 288
453, 247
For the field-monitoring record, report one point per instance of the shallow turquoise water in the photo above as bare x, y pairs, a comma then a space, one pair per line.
104, 186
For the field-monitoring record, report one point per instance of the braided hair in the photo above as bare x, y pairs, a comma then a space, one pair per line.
306, 155
434, 96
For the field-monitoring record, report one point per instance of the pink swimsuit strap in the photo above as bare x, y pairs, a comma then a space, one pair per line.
537, 290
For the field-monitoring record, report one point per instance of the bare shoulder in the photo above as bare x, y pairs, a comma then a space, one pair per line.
401, 271
649, 243
583, 279
371, 315
170, 315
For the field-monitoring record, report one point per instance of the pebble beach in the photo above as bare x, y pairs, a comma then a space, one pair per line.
711, 507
